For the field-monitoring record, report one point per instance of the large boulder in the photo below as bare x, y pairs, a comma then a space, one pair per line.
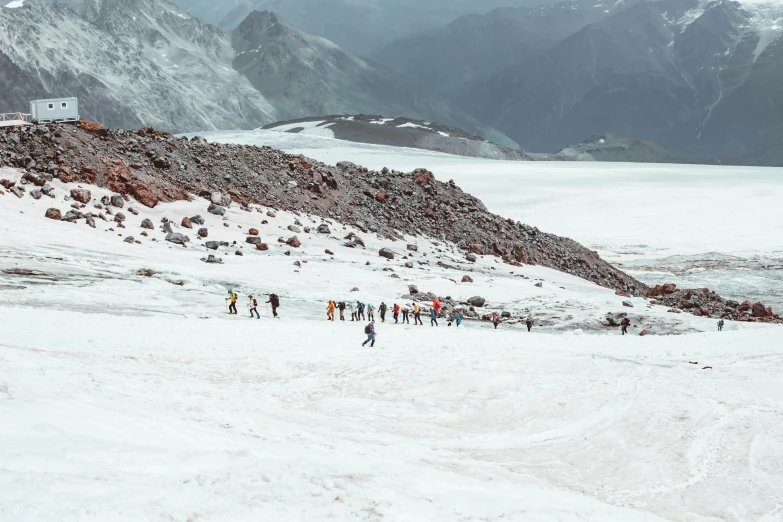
471, 257
477, 301
253, 240
117, 201
119, 217
212, 245
759, 310
413, 289
72, 216
262, 246
81, 195
178, 239
385, 252
323, 228
216, 210
293, 242
295, 229
197, 220
54, 213
147, 223
412, 248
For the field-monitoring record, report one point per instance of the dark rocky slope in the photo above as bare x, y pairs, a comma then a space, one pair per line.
154, 166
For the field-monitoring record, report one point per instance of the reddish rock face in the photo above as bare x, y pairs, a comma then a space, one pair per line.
759, 310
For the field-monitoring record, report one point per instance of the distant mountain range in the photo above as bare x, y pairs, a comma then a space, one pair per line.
701, 78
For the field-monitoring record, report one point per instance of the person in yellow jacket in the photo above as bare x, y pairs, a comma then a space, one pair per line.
232, 299
417, 315
330, 311
405, 319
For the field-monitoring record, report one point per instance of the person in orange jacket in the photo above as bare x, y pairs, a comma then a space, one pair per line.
396, 312
330, 308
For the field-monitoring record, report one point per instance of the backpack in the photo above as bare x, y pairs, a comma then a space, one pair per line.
367, 329
274, 300
255, 302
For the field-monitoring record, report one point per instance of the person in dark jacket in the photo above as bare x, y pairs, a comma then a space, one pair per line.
341, 307
275, 302
625, 323
529, 323
382, 310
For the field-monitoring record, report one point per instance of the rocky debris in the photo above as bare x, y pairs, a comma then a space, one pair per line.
622, 293
133, 211
17, 191
660, 290
253, 232
614, 319
323, 228
328, 252
71, 216
539, 285
216, 198
90, 221
178, 239
216, 210
81, 195
471, 258
129, 239
186, 223
119, 217
197, 220
48, 190
295, 229
262, 246
115, 200
352, 240
629, 304
354, 289
54, 213
413, 289
412, 248
212, 245
211, 259
238, 253
467, 279
644, 333
135, 164
148, 224
478, 302
385, 252
293, 242
146, 272
253, 240
36, 194
203, 232
409, 264
166, 227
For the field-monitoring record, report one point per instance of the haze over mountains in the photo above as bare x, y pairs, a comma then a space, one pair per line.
700, 78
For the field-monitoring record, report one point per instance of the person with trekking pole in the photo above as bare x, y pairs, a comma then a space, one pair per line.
253, 307
382, 309
232, 302
275, 302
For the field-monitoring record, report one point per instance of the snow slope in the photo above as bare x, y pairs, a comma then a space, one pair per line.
126, 397
694, 225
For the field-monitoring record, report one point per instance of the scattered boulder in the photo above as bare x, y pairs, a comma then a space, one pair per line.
166, 227
540, 285
662, 290
253, 240
614, 319
90, 221
36, 194
323, 228
644, 333
216, 198
295, 229
253, 232
294, 242
72, 216
81, 195
197, 220
759, 310
211, 259
467, 279
186, 223
129, 239
147, 223
506, 315
54, 213
477, 301
178, 239
212, 245
203, 232
409, 264
354, 289
412, 248
116, 201
262, 246
328, 252
385, 252
238, 253
217, 210
119, 217
471, 257
271, 214
413, 289
628, 304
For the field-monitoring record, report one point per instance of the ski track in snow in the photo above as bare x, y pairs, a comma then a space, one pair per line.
126, 397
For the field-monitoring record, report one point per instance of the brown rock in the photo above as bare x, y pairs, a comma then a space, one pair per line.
328, 252
238, 253
186, 222
385, 252
262, 246
759, 310
294, 242
467, 279
54, 213
381, 197
644, 333
81, 195
203, 232
253, 232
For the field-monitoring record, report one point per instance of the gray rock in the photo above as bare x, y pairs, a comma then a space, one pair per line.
354, 289
253, 240
90, 222
413, 289
119, 217
117, 201
72, 216
147, 223
178, 239
216, 210
323, 228
197, 220
167, 227
477, 301
129, 239
385, 252
413, 248
295, 229
213, 260
409, 264
471, 257
629, 304
212, 245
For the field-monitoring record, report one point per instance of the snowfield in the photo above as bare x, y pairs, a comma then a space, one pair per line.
128, 397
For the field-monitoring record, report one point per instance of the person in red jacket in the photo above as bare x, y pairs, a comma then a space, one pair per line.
396, 312
436, 305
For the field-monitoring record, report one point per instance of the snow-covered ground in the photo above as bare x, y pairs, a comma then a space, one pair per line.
126, 397
693, 225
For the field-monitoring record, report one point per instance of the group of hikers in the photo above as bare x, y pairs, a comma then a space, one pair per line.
400, 312
253, 305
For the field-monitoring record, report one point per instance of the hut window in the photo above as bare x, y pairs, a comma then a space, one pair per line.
51, 107
65, 105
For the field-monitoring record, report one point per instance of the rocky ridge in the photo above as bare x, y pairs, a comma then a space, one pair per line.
153, 166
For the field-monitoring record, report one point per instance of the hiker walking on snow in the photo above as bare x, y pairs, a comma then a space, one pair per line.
370, 331
253, 307
433, 317
417, 315
382, 309
232, 299
330, 308
396, 312
495, 320
529, 323
458, 319
275, 302
359, 311
436, 305
353, 312
625, 323
720, 325
405, 319
341, 307
371, 312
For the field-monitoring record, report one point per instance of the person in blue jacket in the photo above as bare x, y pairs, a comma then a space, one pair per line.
370, 331
433, 317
